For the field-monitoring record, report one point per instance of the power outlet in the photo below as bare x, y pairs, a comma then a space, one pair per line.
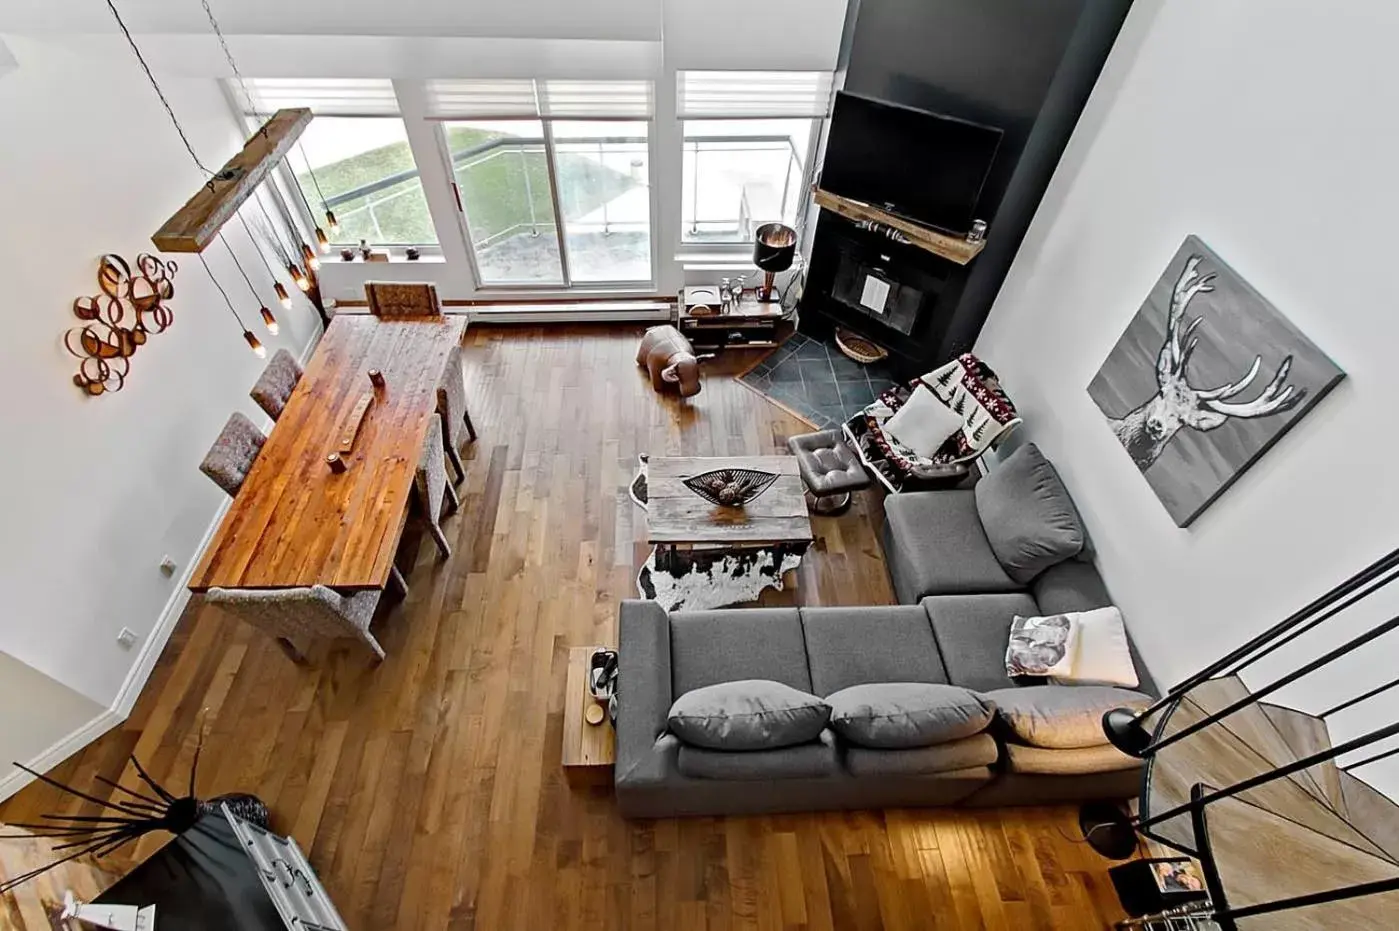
127, 638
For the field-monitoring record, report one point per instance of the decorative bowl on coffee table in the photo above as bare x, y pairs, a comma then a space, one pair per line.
730, 487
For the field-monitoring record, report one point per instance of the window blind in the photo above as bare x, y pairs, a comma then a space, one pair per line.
774, 94
325, 96
506, 98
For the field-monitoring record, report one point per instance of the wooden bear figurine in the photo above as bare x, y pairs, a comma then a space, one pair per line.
670, 360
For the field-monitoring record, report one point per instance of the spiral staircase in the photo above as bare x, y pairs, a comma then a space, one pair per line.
1316, 830
1286, 835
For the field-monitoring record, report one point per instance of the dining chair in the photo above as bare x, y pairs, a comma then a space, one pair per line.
432, 485
402, 299
276, 383
233, 453
451, 404
295, 616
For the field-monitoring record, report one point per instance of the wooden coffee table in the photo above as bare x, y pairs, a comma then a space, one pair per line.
677, 518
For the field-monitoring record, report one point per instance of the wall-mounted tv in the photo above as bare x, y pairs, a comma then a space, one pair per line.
925, 167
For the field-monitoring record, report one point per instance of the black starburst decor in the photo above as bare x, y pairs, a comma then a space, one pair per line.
731, 487
127, 816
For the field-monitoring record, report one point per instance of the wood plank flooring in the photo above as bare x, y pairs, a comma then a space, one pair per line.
427, 791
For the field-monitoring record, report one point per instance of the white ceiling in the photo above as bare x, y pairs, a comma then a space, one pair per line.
533, 19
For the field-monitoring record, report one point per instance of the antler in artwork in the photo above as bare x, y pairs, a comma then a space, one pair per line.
1145, 431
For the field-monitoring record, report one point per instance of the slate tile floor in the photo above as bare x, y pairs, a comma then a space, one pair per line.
816, 381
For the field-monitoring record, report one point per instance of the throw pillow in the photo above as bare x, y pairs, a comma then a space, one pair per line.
1061, 717
1041, 646
1029, 519
1101, 656
902, 715
750, 714
923, 424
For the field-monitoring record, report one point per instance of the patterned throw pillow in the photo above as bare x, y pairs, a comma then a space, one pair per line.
1041, 646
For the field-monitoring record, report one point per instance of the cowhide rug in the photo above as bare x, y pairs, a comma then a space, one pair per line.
702, 579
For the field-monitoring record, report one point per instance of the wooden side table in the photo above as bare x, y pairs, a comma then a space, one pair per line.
589, 750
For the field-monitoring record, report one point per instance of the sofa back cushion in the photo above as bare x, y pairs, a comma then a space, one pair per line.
856, 646
1027, 514
903, 715
709, 647
972, 632
751, 714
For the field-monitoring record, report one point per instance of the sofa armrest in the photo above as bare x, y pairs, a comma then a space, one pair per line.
643, 688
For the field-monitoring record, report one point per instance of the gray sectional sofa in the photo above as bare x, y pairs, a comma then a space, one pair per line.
1044, 744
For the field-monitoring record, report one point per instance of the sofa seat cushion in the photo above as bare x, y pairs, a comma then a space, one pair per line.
1061, 716
935, 545
709, 647
804, 761
855, 646
972, 632
1079, 761
904, 715
977, 750
751, 714
1027, 514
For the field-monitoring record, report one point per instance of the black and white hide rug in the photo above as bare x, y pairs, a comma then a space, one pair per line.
699, 579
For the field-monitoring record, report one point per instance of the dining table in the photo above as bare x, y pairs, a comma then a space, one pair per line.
296, 520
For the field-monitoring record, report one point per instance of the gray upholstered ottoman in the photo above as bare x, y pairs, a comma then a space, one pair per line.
830, 469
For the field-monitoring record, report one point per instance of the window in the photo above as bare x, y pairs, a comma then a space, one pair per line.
354, 159
747, 145
740, 174
552, 177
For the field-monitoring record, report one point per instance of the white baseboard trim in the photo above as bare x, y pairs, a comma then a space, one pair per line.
60, 751
146, 659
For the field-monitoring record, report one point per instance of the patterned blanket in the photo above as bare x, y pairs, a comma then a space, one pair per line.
970, 389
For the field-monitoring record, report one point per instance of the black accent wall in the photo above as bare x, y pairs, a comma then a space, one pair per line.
1026, 66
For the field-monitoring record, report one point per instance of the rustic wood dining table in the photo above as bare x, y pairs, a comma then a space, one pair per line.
294, 521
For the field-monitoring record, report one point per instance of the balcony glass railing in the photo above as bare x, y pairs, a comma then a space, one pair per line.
732, 184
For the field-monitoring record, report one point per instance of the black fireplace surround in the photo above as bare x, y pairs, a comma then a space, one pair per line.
1024, 66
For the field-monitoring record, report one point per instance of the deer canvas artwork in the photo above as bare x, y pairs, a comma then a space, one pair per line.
1206, 377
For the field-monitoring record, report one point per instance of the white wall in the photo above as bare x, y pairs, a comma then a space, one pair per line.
51, 708
95, 491
1267, 129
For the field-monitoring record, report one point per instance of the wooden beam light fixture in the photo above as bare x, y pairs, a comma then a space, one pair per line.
195, 225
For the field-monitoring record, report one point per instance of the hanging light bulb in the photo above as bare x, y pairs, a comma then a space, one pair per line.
321, 242
254, 344
282, 296
308, 255
298, 276
333, 223
270, 320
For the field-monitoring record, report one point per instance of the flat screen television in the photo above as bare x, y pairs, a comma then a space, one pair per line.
924, 167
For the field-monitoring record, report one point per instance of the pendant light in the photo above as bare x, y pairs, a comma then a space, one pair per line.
308, 255
283, 297
321, 241
253, 342
267, 318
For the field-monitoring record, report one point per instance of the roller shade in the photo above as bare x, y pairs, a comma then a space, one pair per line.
473, 98
325, 96
726, 94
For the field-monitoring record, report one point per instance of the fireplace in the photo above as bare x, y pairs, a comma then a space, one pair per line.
889, 292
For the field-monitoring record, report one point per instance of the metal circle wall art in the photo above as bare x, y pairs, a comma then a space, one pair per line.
118, 321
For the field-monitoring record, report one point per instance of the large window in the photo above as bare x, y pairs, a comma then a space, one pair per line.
747, 149
363, 168
740, 174
554, 188
353, 159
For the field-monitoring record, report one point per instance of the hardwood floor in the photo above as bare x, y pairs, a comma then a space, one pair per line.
427, 791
